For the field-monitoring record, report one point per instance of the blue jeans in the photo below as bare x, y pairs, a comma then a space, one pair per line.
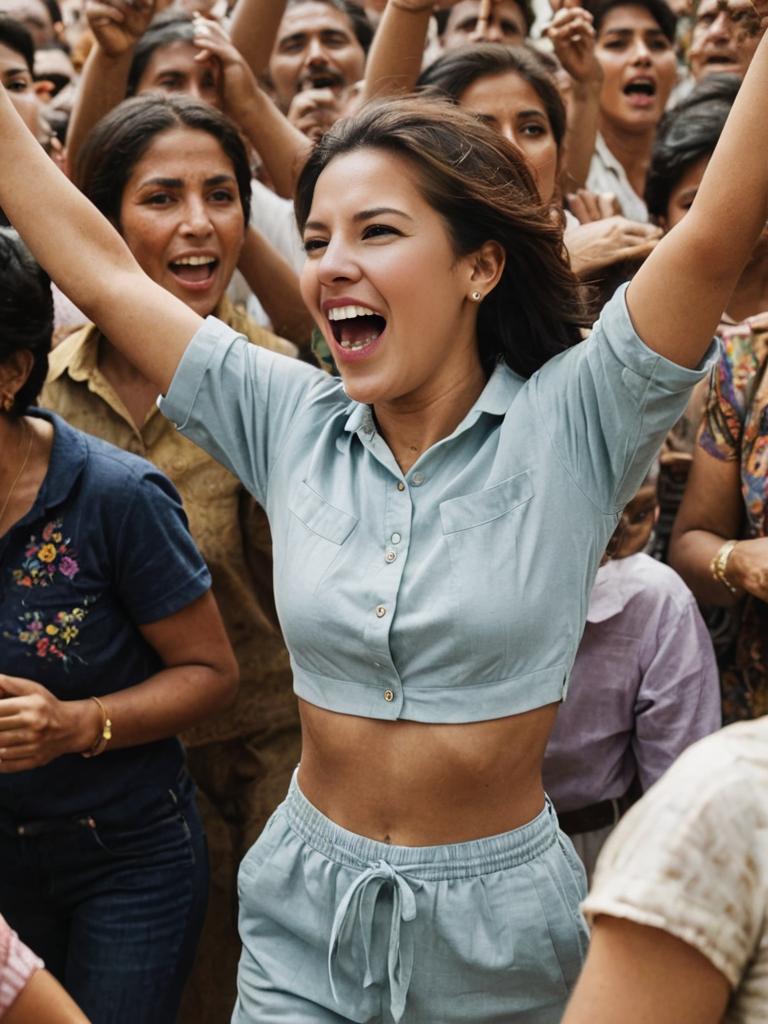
113, 902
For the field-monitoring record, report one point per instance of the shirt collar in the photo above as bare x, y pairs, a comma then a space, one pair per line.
68, 457
608, 598
77, 355
495, 399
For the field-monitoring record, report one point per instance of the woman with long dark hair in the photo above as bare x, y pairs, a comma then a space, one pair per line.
438, 514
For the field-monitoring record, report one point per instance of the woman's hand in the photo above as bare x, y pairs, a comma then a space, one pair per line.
119, 24
588, 206
238, 83
573, 38
36, 728
747, 567
598, 244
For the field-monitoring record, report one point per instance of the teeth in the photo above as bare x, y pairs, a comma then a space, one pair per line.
354, 346
194, 261
349, 312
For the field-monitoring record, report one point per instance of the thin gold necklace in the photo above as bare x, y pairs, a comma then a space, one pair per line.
19, 475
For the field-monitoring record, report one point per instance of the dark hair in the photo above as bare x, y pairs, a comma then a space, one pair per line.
26, 314
685, 135
16, 37
660, 11
120, 139
169, 27
453, 73
358, 19
526, 6
481, 186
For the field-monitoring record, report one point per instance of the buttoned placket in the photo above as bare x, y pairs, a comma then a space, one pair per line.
395, 545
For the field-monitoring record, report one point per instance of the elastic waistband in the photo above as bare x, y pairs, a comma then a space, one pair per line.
430, 863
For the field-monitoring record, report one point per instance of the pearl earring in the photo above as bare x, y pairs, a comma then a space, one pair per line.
476, 296
7, 402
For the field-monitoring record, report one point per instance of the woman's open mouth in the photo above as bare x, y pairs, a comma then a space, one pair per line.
196, 272
356, 329
641, 92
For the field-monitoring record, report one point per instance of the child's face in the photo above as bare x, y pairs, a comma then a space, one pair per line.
637, 522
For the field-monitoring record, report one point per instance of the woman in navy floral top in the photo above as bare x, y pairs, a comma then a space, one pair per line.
110, 643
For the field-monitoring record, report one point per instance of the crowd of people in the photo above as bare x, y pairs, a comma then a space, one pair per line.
427, 343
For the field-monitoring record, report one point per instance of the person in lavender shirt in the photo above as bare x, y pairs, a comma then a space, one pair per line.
644, 686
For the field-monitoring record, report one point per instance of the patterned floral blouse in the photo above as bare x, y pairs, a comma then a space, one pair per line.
736, 429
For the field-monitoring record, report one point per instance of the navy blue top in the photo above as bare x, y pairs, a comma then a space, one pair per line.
104, 549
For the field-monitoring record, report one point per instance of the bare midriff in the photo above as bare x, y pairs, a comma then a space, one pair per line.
416, 784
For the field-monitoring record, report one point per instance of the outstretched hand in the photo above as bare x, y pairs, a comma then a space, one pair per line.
573, 38
119, 24
35, 727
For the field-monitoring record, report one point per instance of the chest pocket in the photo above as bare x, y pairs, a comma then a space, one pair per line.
482, 507
482, 532
315, 541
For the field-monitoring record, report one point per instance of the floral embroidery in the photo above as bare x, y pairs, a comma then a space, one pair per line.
52, 637
47, 556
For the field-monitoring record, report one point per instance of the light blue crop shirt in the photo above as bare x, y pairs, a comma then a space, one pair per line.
458, 591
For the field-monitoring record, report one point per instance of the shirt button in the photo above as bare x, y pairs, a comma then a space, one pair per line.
388, 696
417, 479
381, 611
390, 556
396, 538
400, 485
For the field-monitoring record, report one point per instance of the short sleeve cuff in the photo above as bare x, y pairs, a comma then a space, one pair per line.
655, 905
18, 966
615, 324
193, 588
717, 449
212, 338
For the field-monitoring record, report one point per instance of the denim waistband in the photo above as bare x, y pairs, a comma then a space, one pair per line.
135, 803
430, 863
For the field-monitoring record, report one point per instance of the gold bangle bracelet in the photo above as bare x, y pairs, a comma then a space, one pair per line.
719, 565
104, 736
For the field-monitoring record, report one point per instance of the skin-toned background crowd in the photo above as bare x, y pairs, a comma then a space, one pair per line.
383, 535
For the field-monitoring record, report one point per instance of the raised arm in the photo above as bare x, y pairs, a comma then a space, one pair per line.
276, 285
282, 148
573, 38
679, 294
397, 50
395, 57
87, 258
117, 26
254, 30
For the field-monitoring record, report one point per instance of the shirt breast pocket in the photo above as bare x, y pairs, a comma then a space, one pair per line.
482, 532
316, 535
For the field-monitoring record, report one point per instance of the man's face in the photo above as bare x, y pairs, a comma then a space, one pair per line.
637, 522
506, 24
17, 79
725, 37
316, 48
34, 16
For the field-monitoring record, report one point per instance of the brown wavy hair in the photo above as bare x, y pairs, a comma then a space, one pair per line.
481, 186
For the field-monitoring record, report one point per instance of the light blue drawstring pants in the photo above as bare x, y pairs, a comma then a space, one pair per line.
338, 928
